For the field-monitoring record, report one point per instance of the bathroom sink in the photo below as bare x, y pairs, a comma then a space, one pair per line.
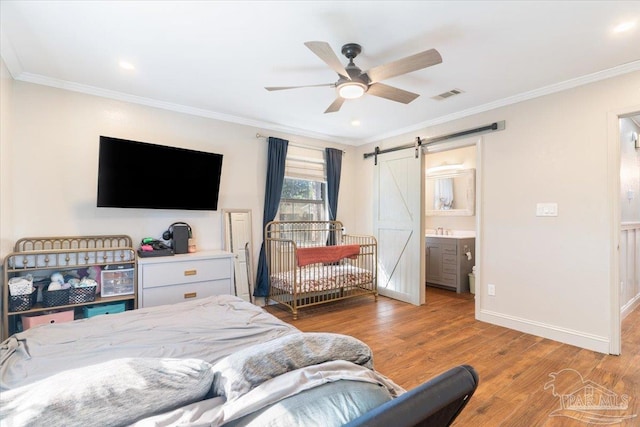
453, 234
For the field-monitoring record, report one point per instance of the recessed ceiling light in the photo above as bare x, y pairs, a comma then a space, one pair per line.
127, 65
355, 122
625, 26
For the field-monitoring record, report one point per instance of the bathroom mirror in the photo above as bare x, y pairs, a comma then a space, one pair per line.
237, 240
451, 193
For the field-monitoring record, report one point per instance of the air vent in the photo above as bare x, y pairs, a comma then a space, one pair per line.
448, 94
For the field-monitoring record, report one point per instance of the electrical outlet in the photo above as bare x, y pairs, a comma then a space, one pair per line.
491, 290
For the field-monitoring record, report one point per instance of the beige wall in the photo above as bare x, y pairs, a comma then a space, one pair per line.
552, 275
51, 189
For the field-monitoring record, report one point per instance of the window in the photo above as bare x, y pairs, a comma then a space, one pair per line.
303, 200
304, 192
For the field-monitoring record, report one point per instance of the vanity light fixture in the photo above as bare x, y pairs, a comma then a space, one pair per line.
444, 168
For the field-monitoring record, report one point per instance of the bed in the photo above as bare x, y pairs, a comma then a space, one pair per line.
315, 262
213, 361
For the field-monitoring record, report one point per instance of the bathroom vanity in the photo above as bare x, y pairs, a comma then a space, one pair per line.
450, 259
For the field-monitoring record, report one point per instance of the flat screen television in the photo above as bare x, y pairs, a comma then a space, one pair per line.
134, 174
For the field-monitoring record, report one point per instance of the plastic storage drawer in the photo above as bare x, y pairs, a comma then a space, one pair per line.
117, 282
96, 310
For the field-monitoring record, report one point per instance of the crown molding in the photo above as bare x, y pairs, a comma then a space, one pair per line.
200, 112
525, 96
15, 68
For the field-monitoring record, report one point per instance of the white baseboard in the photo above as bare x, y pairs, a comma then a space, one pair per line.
567, 336
629, 307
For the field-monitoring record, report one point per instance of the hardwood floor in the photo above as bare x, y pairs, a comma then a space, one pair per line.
412, 344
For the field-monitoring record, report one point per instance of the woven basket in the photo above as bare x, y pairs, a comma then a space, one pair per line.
23, 302
55, 298
82, 294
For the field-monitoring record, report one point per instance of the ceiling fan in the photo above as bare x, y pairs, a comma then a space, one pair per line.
353, 82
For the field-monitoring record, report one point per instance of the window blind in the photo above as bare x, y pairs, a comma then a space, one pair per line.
305, 163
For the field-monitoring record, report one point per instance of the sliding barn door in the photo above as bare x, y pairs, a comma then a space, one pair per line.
399, 225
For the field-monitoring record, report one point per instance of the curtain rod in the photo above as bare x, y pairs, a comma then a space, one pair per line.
437, 139
293, 144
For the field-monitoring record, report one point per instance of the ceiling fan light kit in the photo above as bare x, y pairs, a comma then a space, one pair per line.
352, 90
353, 82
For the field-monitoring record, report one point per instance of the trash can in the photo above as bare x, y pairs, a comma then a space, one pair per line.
472, 283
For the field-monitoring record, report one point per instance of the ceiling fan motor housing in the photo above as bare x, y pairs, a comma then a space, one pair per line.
359, 82
351, 50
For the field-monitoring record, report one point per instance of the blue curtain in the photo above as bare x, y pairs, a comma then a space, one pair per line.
334, 168
272, 192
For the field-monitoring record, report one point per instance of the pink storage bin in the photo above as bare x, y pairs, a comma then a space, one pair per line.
57, 317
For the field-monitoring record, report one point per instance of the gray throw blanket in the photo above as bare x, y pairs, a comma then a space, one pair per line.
243, 370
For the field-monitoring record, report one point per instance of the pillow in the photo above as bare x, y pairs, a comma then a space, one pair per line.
243, 370
113, 393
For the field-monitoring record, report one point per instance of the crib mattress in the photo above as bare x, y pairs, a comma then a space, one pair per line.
321, 278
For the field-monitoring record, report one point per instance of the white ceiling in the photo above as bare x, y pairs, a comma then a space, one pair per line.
214, 58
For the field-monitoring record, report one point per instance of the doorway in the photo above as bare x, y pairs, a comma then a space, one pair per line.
629, 214
399, 212
620, 141
452, 217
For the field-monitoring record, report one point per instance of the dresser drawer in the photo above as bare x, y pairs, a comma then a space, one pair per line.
187, 271
185, 292
449, 259
450, 249
449, 279
449, 269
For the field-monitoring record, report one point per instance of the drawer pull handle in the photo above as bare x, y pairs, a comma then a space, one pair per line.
190, 272
190, 295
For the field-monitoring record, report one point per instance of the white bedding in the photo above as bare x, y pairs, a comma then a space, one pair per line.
208, 329
222, 331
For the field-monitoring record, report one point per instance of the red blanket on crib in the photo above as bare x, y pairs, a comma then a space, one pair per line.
325, 254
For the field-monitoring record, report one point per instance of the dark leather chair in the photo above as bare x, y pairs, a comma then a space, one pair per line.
434, 403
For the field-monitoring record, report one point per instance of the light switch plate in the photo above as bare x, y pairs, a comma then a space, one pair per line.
547, 209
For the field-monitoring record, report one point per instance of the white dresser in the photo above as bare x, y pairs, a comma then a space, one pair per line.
177, 278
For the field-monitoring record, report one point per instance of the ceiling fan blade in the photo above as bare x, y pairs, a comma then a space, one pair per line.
272, 88
391, 93
405, 65
324, 52
335, 105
